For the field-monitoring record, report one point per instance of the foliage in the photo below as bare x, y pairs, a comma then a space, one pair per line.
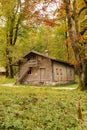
46, 38
13, 24
41, 108
34, 31
57, 26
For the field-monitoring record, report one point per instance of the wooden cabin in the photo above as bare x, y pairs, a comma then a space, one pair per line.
36, 69
2, 71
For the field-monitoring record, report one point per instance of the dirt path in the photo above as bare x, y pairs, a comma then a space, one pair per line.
64, 88
58, 88
8, 85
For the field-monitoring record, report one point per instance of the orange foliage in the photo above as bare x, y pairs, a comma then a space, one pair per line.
35, 12
50, 22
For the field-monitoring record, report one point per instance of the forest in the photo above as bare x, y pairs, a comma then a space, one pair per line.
60, 27
57, 26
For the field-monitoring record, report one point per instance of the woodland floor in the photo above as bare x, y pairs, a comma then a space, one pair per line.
41, 108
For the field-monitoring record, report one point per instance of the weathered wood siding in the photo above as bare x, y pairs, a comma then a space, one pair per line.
62, 73
70, 74
41, 73
42, 70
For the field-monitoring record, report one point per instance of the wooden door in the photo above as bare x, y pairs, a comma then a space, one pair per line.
42, 74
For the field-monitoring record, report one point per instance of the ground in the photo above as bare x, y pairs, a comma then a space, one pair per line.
42, 108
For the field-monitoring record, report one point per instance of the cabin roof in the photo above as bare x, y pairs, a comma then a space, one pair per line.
27, 55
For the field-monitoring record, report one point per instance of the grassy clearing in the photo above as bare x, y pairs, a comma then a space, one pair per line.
41, 108
4, 80
31, 108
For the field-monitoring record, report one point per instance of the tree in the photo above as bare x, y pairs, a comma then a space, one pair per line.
77, 37
75, 12
16, 14
11, 15
15, 18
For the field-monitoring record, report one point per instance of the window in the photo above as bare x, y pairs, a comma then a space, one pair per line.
29, 72
60, 71
57, 71
33, 58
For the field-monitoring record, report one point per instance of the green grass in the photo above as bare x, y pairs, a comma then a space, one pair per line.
4, 80
24, 107
31, 108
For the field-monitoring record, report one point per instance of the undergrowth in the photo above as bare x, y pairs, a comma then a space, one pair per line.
31, 108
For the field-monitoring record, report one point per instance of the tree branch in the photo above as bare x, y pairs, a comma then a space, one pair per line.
16, 30
18, 22
82, 10
83, 31
85, 2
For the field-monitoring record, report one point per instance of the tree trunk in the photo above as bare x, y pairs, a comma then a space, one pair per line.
67, 46
83, 77
9, 67
11, 73
74, 34
7, 72
82, 74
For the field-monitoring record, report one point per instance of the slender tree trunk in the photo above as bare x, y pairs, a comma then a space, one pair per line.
9, 67
11, 73
7, 72
67, 47
83, 77
11, 37
66, 36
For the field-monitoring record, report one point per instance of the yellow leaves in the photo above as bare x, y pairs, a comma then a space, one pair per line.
7, 6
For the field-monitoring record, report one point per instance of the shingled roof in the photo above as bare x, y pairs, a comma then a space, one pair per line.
27, 55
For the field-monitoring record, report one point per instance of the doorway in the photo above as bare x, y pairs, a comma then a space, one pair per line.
42, 75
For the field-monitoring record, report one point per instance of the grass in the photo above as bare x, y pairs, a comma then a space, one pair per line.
4, 80
41, 108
